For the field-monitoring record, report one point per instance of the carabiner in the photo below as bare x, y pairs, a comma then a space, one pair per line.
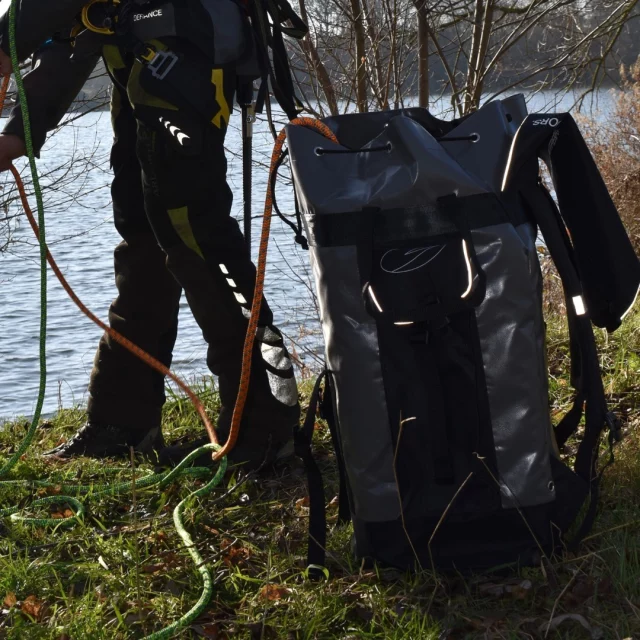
86, 20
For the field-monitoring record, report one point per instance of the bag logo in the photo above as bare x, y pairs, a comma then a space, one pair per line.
406, 261
157, 13
551, 122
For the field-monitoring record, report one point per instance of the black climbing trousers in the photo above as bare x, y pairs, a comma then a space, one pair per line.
172, 208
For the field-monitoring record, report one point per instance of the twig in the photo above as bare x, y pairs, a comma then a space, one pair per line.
555, 604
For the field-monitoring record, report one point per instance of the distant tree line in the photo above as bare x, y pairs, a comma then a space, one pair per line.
373, 54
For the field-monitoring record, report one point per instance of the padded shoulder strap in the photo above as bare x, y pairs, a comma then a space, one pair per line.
608, 267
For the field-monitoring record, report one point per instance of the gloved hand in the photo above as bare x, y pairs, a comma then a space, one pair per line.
6, 68
11, 147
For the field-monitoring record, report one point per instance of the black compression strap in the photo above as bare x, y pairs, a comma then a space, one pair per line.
397, 225
329, 413
303, 437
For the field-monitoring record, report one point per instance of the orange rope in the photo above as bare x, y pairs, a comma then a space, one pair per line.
256, 307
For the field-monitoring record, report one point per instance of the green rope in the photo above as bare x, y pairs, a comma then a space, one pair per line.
155, 479
26, 442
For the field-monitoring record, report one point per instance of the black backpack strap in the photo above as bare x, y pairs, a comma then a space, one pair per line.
303, 439
585, 364
267, 18
328, 412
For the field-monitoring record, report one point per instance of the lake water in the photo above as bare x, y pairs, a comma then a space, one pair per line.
81, 236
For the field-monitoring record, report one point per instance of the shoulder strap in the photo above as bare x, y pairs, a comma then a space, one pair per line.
585, 364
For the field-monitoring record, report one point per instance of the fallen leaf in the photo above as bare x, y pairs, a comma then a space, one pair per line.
211, 630
10, 600
303, 503
33, 607
273, 592
520, 591
153, 568
492, 589
234, 553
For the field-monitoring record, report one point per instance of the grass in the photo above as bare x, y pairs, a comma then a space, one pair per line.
123, 574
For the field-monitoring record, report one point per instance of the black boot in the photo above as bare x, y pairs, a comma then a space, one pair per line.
271, 413
105, 441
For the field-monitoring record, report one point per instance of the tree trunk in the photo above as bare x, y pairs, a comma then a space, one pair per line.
374, 33
423, 52
476, 89
476, 39
318, 69
361, 57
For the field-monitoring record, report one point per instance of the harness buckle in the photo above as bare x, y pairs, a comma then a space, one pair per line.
160, 63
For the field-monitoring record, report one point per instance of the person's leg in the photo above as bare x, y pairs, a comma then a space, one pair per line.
126, 395
189, 203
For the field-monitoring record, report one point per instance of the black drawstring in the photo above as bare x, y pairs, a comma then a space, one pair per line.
474, 137
297, 228
320, 151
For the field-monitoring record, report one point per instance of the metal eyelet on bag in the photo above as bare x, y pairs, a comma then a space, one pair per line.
551, 486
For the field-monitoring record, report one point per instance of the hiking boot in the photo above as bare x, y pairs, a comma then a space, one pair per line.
105, 441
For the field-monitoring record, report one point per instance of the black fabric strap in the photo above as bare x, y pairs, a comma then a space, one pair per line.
589, 378
397, 225
328, 412
303, 437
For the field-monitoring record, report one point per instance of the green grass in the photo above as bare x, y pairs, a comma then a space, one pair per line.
123, 574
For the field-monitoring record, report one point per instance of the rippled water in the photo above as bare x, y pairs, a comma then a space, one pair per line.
81, 237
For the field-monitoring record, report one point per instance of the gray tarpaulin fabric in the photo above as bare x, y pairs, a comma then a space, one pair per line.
417, 170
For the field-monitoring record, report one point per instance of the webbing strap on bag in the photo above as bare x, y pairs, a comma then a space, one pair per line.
303, 439
590, 394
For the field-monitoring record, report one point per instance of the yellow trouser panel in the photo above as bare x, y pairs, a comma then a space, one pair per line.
222, 117
180, 221
113, 57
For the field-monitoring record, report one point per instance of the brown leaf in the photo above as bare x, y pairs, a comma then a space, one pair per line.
33, 607
522, 590
153, 568
273, 592
68, 513
303, 503
10, 600
210, 630
234, 553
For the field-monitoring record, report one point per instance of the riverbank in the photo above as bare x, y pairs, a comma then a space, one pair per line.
123, 572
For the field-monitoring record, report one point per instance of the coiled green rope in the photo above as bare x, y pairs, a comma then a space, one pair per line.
158, 479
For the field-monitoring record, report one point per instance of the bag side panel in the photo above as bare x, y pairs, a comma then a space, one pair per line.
511, 331
353, 357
